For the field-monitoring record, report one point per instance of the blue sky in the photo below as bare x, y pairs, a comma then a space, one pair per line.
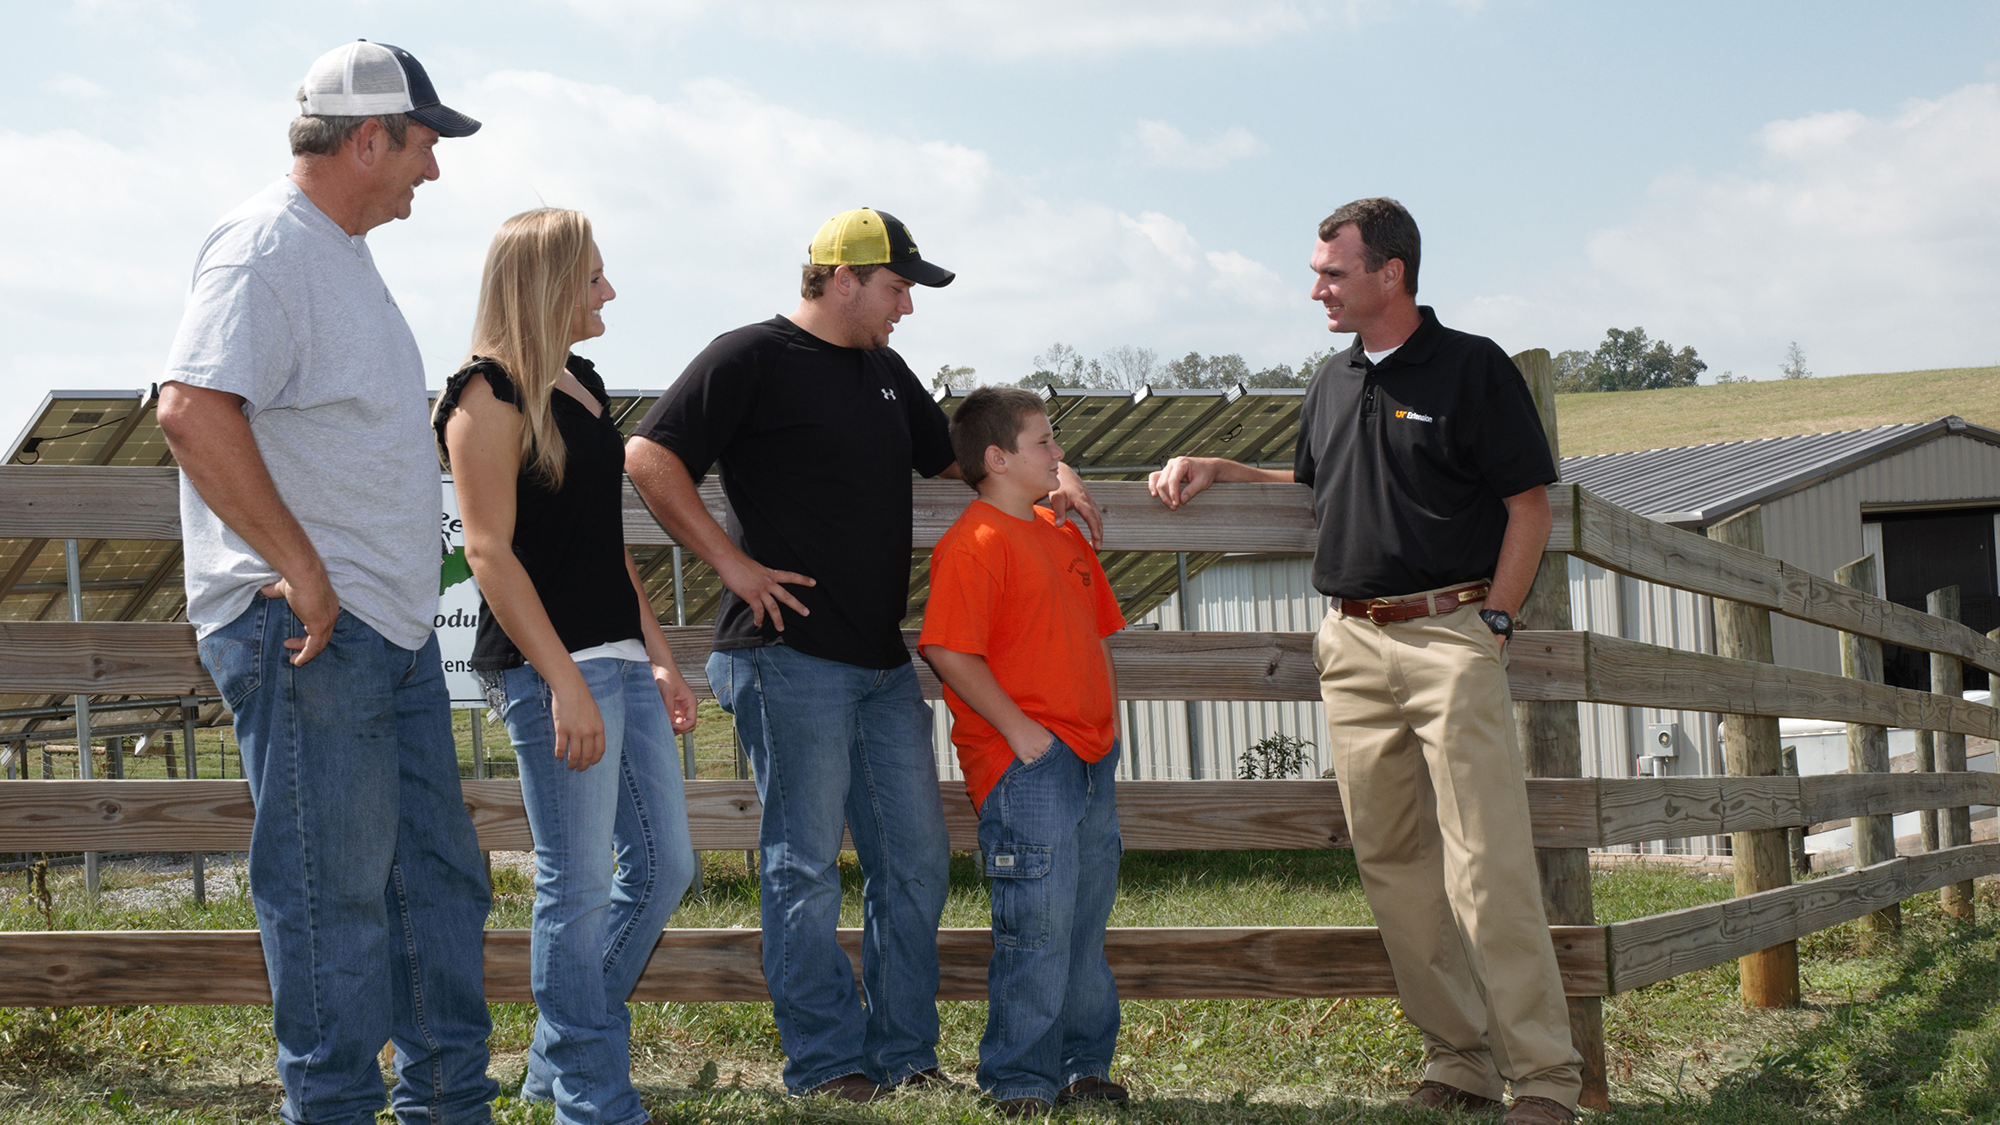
1138, 173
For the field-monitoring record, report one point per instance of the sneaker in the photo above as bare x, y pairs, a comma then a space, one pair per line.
1022, 1107
1532, 1110
1091, 1088
851, 1087
1439, 1095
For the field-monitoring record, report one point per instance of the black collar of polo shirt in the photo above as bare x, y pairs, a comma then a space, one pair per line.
1416, 349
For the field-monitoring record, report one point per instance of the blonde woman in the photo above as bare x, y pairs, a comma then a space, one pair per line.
570, 654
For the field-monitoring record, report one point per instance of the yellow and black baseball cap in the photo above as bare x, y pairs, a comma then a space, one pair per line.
867, 237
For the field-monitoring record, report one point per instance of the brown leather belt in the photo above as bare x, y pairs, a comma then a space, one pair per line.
1383, 611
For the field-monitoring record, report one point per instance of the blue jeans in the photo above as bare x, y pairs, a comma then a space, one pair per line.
1049, 832
835, 744
371, 897
595, 924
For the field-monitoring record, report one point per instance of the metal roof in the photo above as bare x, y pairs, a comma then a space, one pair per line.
1697, 485
1105, 435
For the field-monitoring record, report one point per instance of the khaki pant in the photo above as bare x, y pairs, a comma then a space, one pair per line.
1421, 731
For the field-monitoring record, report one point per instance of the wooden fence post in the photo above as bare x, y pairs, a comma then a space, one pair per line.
1769, 978
1868, 749
1948, 678
1553, 747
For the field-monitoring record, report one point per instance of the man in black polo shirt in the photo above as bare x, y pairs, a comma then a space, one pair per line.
817, 425
1427, 463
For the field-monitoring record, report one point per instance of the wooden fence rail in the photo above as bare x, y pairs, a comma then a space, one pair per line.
103, 967
134, 503
183, 816
1559, 665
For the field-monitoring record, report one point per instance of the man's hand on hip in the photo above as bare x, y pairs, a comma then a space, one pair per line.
763, 590
316, 606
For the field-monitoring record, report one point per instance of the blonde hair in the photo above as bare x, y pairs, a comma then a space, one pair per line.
536, 271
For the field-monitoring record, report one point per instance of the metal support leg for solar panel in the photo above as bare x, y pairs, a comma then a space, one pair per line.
190, 707
687, 740
1193, 708
84, 769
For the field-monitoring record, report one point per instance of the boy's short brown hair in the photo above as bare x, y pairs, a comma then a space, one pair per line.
990, 416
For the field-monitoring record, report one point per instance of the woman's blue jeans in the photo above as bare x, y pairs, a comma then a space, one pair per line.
1049, 832
612, 860
364, 868
835, 744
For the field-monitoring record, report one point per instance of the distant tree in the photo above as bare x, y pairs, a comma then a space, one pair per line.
1629, 361
1731, 377
1573, 372
1794, 366
1196, 370
1127, 368
1059, 364
957, 378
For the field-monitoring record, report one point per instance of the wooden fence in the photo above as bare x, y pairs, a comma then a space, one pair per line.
1547, 667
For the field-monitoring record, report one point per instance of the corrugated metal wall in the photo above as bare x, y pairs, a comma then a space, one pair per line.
1819, 528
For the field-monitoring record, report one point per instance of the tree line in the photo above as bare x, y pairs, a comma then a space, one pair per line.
1626, 360
1127, 368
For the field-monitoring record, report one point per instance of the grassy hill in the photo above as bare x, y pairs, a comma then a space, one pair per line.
1619, 421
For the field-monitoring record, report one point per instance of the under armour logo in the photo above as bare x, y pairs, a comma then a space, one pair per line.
887, 393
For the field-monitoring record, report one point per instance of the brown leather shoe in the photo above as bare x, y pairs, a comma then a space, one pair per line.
1022, 1107
930, 1078
1091, 1088
851, 1087
1532, 1110
1439, 1095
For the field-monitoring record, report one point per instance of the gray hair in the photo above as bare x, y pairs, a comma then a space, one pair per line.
316, 135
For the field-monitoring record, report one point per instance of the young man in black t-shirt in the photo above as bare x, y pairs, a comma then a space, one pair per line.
816, 425
1427, 463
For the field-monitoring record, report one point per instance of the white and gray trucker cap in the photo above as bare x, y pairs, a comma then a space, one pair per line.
363, 79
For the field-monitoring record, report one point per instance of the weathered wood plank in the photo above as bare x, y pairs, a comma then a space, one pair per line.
116, 967
124, 658
89, 502
1648, 950
160, 658
1643, 675
172, 816
143, 503
1631, 544
1229, 517
1638, 809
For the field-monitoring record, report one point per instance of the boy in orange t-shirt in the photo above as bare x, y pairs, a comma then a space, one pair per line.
1019, 609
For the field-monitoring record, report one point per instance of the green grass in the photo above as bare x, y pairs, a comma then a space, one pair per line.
1626, 420
1903, 1034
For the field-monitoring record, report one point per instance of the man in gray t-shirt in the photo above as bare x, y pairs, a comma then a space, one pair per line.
294, 401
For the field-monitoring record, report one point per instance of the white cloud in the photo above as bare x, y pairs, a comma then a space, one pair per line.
1167, 147
1870, 240
1014, 29
73, 86
703, 202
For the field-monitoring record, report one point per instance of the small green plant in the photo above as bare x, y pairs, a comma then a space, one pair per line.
1277, 756
38, 889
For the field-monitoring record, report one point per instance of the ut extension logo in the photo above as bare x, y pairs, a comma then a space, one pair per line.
1414, 416
1082, 570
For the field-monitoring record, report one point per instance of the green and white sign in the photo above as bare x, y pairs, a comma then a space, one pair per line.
458, 607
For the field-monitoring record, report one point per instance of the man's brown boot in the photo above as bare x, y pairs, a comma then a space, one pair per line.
1438, 1095
849, 1087
1532, 1110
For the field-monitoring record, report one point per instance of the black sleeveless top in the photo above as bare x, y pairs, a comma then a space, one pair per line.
570, 541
